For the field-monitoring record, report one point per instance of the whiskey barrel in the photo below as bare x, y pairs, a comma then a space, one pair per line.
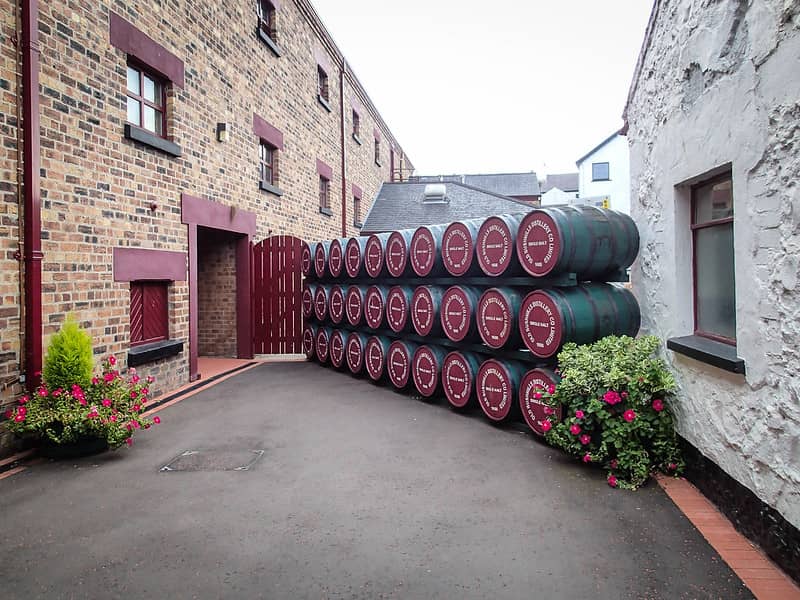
336, 348
494, 246
321, 259
375, 356
336, 304
587, 240
354, 304
307, 300
375, 305
398, 304
354, 253
533, 383
374, 255
354, 351
496, 317
551, 317
426, 369
398, 362
457, 313
336, 257
426, 250
458, 248
305, 260
321, 344
397, 249
497, 385
425, 306
309, 337
458, 377
321, 302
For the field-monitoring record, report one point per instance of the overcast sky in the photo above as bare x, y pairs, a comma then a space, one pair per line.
498, 86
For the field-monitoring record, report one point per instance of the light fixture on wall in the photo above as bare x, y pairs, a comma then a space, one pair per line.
222, 132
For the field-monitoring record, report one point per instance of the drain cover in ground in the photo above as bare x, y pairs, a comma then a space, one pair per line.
214, 460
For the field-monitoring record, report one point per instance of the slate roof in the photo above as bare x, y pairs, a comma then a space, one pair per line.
596, 148
505, 184
401, 206
566, 182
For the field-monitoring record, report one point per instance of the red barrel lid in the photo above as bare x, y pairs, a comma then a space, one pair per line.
308, 301
308, 341
423, 251
353, 305
425, 370
336, 348
319, 259
352, 257
335, 258
321, 346
456, 379
396, 254
495, 246
305, 258
538, 243
398, 364
336, 304
373, 307
540, 323
397, 309
456, 313
374, 358
495, 389
533, 409
457, 249
373, 256
320, 303
354, 352
494, 318
423, 311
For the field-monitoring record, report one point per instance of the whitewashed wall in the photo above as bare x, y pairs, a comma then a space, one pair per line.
720, 84
618, 188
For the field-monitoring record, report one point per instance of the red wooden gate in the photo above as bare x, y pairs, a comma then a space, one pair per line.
277, 288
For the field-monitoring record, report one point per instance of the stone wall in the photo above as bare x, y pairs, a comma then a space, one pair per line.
717, 89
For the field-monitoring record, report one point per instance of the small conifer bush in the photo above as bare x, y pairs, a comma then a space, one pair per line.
69, 357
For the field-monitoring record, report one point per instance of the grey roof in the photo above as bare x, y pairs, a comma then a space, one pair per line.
566, 182
596, 148
505, 184
401, 206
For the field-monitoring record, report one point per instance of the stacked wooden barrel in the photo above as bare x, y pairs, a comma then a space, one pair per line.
473, 310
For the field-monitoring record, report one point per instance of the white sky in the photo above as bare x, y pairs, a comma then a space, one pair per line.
497, 86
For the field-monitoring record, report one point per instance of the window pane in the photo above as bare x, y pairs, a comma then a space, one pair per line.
599, 171
152, 120
152, 90
716, 301
133, 81
134, 111
713, 201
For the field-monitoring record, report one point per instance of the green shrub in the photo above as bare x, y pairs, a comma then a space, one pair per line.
615, 396
69, 358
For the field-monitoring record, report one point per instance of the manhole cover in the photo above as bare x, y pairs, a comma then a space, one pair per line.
214, 460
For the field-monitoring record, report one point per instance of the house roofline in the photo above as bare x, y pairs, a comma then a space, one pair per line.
596, 148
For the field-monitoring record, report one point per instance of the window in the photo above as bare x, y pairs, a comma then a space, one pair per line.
268, 167
323, 91
324, 194
266, 18
600, 171
356, 125
146, 101
149, 312
356, 211
712, 242
378, 151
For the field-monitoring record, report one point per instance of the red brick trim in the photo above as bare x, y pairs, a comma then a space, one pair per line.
135, 43
323, 60
134, 264
212, 214
267, 132
357, 191
276, 4
377, 134
324, 170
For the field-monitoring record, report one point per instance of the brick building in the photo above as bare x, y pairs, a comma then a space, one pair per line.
172, 136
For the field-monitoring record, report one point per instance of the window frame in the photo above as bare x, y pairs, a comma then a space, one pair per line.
323, 88
608, 171
267, 25
695, 227
144, 284
143, 71
356, 118
357, 211
378, 151
324, 194
265, 147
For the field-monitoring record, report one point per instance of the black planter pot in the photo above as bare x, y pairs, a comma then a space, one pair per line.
82, 447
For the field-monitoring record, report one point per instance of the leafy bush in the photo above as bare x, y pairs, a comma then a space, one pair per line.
69, 357
615, 397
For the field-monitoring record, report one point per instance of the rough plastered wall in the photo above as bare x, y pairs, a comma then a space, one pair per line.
719, 86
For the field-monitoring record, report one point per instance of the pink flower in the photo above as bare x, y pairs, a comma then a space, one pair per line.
112, 360
136, 424
42, 391
585, 439
129, 427
106, 402
611, 397
8, 413
129, 441
22, 410
579, 414
137, 408
537, 395
113, 418
658, 405
145, 391
82, 401
20, 417
551, 389
613, 464
575, 429
624, 394
612, 481
24, 400
150, 379
134, 393
548, 410
672, 466
135, 379
546, 425
108, 377
132, 370
95, 381
629, 415
156, 420
587, 458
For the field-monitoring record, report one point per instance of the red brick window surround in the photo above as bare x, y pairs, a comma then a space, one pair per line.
146, 100
357, 195
325, 173
149, 312
323, 89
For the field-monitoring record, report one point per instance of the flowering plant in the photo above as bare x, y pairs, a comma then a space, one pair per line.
615, 398
110, 407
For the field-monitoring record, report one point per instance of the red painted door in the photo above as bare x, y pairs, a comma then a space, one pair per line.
277, 296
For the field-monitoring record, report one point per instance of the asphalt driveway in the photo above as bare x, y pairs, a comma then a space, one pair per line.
360, 492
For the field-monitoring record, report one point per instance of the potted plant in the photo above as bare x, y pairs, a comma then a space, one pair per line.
75, 412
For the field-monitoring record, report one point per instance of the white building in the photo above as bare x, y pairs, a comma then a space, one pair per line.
605, 172
712, 119
559, 188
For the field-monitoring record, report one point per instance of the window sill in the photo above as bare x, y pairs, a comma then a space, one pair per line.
377, 162
139, 355
357, 139
324, 103
717, 354
138, 134
607, 179
358, 224
325, 211
267, 187
262, 35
